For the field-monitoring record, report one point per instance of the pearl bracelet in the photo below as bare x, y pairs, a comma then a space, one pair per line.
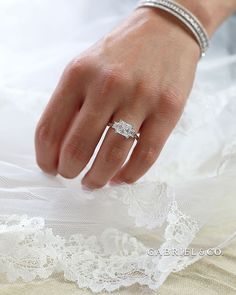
185, 16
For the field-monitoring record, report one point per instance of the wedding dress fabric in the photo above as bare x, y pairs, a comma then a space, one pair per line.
113, 237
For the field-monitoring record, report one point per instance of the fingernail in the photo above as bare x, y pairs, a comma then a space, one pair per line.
86, 188
51, 174
115, 182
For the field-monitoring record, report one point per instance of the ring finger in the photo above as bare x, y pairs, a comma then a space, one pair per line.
113, 152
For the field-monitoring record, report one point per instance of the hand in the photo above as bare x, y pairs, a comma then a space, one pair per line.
142, 73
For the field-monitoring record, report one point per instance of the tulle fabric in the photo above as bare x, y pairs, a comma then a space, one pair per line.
101, 240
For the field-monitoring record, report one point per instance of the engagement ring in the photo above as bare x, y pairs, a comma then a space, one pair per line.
125, 129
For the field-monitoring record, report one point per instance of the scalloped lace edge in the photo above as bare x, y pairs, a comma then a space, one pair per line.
29, 251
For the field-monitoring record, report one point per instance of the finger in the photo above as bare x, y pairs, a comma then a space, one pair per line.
85, 133
82, 138
64, 104
112, 154
153, 136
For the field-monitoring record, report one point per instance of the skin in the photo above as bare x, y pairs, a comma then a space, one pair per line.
142, 72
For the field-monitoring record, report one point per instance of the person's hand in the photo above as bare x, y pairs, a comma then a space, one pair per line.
142, 73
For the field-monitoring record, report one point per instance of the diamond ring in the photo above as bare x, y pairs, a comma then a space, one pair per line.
125, 129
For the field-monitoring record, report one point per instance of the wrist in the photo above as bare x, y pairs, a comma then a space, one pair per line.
184, 18
211, 13
154, 20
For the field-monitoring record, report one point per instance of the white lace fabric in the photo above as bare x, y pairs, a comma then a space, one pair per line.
113, 260
30, 249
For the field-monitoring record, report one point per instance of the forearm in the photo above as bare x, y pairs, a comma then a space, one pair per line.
210, 12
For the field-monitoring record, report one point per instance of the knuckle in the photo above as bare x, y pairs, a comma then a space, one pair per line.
171, 100
75, 151
44, 135
169, 107
77, 66
45, 141
115, 155
112, 79
148, 155
143, 89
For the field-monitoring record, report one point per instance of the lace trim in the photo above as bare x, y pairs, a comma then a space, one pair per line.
29, 250
203, 99
149, 210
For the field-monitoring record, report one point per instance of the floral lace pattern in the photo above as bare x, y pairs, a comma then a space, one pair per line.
148, 210
107, 262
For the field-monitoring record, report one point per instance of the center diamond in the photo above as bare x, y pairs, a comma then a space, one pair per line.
124, 129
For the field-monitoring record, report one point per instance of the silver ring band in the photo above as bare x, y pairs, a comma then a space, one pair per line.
185, 16
125, 129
